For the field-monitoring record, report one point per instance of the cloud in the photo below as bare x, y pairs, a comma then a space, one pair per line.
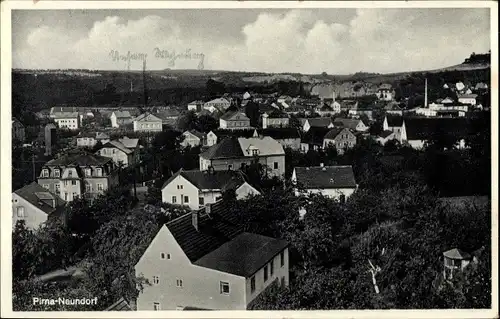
374, 40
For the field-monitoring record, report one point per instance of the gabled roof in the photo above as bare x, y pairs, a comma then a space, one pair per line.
147, 117
214, 180
65, 115
228, 147
385, 86
79, 159
122, 114
348, 123
316, 121
244, 255
279, 133
219, 100
277, 114
235, 115
334, 132
213, 231
266, 146
129, 142
40, 197
456, 253
117, 144
315, 135
196, 133
325, 177
386, 134
63, 109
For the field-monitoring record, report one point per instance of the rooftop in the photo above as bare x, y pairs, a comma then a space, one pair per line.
456, 253
80, 159
326, 177
40, 197
221, 180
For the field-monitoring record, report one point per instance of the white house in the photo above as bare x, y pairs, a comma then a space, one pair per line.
69, 120
147, 122
34, 204
468, 99
124, 151
396, 124
211, 139
119, 118
196, 188
193, 138
234, 120
335, 182
91, 139
219, 104
204, 260
195, 106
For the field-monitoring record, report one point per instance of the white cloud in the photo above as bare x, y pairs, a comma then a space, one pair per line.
375, 40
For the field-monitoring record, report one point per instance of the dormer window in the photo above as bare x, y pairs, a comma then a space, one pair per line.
70, 173
88, 172
45, 173
255, 152
57, 173
99, 171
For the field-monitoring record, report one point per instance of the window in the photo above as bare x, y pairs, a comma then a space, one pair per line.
57, 186
20, 212
180, 186
168, 256
45, 173
156, 306
252, 284
70, 173
255, 152
162, 255
282, 258
266, 274
179, 283
57, 173
230, 166
156, 280
66, 196
99, 172
174, 199
275, 165
186, 199
73, 182
88, 187
201, 200
88, 172
46, 186
99, 187
224, 288
271, 265
114, 151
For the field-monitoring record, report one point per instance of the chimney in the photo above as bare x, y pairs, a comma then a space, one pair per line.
321, 165
425, 102
208, 208
194, 219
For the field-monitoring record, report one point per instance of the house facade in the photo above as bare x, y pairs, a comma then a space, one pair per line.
18, 132
469, 99
193, 138
148, 123
233, 153
352, 124
33, 204
321, 122
91, 139
195, 106
211, 139
196, 188
120, 118
77, 175
385, 92
275, 119
219, 104
340, 138
335, 182
68, 120
124, 151
219, 272
234, 120
396, 124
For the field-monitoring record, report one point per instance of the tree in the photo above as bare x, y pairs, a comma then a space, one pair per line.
253, 113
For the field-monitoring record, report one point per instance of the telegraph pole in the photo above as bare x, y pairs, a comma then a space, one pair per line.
33, 163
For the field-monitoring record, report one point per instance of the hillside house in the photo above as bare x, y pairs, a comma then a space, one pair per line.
233, 153
318, 122
194, 138
34, 204
204, 260
196, 188
79, 174
195, 106
385, 92
124, 151
336, 182
340, 138
286, 136
148, 122
120, 118
234, 120
352, 124
88, 139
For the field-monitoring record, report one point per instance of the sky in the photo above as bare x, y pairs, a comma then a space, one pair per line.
308, 41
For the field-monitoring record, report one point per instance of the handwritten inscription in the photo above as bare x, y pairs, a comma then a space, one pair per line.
170, 56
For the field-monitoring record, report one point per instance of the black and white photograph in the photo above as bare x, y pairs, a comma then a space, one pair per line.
207, 156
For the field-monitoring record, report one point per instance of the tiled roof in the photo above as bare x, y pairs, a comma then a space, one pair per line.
118, 145
348, 123
122, 114
385, 134
318, 121
279, 133
244, 255
326, 177
220, 180
65, 115
40, 197
228, 147
456, 253
277, 114
196, 133
80, 159
266, 146
63, 109
213, 230
147, 117
235, 115
129, 142
219, 100
315, 135
333, 133
221, 133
